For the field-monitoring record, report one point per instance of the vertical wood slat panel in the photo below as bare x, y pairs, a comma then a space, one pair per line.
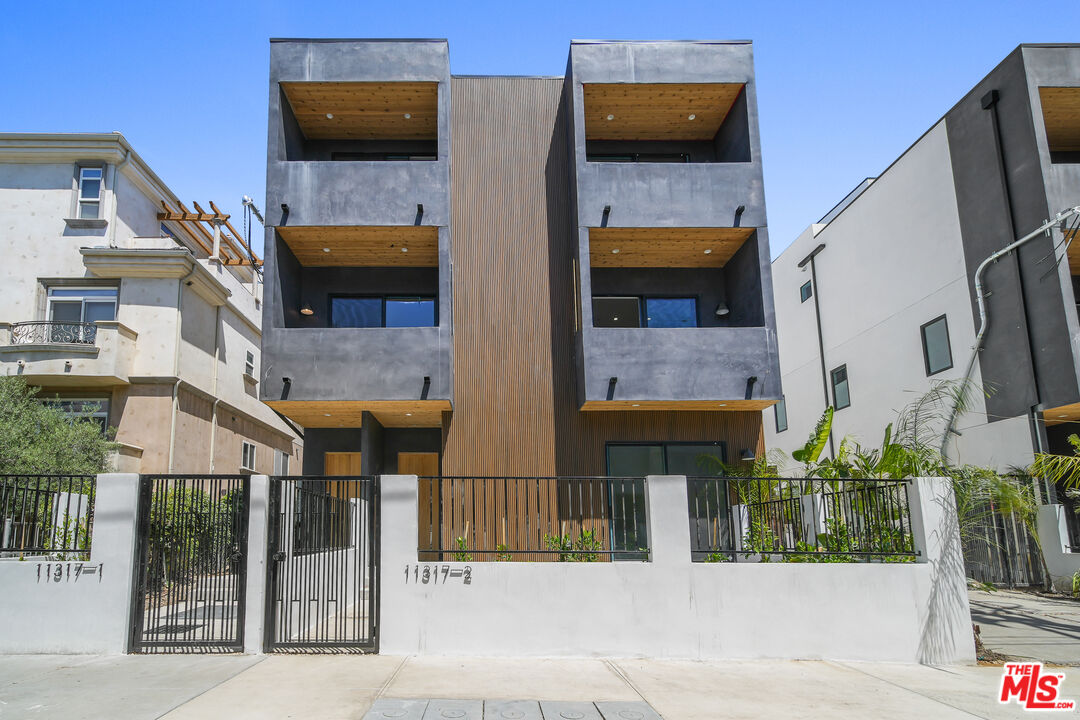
515, 400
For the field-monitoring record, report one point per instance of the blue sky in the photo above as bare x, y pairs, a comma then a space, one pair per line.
843, 88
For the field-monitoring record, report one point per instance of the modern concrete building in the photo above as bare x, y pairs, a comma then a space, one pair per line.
527, 276
111, 302
877, 300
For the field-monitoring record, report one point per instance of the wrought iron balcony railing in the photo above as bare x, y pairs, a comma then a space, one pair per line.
41, 333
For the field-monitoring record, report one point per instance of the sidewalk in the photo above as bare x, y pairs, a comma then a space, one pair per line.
1025, 625
311, 687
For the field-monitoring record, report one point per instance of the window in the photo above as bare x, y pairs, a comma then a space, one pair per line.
806, 291
671, 312
841, 397
410, 312
247, 456
95, 410
638, 157
249, 364
281, 462
75, 305
780, 412
653, 312
937, 353
90, 192
616, 312
368, 312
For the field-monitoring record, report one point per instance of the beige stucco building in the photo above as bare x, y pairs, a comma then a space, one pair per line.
127, 317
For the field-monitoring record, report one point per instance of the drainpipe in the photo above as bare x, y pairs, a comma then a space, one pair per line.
213, 409
116, 181
821, 342
176, 361
981, 301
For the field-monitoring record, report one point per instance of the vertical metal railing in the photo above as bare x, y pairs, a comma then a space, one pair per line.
191, 563
799, 520
46, 514
523, 519
322, 571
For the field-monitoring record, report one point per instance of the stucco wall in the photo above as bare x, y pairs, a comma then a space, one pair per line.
893, 260
672, 608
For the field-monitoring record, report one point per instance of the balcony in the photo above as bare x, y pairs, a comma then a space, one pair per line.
68, 354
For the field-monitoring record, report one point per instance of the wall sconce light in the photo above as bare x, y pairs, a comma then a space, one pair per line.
747, 455
722, 310
305, 309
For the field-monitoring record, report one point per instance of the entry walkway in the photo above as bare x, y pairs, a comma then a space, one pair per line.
316, 687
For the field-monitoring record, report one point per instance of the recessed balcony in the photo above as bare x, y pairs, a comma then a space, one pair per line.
60, 354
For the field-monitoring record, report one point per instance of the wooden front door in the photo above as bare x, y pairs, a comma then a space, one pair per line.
426, 466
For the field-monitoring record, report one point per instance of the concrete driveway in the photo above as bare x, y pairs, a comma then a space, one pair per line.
185, 687
1024, 625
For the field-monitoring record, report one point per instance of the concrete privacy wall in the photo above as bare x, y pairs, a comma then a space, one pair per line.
74, 606
1054, 538
672, 608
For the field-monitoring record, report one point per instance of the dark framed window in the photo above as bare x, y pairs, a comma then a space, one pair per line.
840, 392
652, 312
780, 414
627, 526
806, 291
937, 352
367, 312
670, 312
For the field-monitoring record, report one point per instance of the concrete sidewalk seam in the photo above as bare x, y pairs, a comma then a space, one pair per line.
625, 678
212, 687
389, 680
913, 692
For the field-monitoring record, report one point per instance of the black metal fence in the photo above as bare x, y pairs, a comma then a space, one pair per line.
48, 332
320, 521
46, 514
999, 550
799, 520
518, 519
191, 563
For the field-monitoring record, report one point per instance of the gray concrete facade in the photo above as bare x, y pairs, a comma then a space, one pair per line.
691, 363
353, 363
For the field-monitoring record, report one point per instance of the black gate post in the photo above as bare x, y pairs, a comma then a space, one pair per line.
138, 590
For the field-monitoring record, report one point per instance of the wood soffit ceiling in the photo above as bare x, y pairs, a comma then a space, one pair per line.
349, 413
365, 110
657, 111
363, 245
665, 247
1061, 115
688, 405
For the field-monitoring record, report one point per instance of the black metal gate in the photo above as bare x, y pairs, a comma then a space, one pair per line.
191, 564
1001, 551
322, 570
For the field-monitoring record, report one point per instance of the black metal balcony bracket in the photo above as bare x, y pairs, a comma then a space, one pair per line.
50, 333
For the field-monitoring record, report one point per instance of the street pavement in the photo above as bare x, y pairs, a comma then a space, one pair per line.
317, 687
1025, 625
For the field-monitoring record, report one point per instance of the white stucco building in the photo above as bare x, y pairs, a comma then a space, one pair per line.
119, 314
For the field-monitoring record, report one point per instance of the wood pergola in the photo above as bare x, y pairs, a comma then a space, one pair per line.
222, 240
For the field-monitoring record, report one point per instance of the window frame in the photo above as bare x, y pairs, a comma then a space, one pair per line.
382, 309
102, 413
663, 445
244, 445
249, 363
926, 349
833, 384
81, 169
642, 307
82, 299
281, 462
782, 402
808, 285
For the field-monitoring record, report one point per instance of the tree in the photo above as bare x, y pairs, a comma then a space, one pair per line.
38, 438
